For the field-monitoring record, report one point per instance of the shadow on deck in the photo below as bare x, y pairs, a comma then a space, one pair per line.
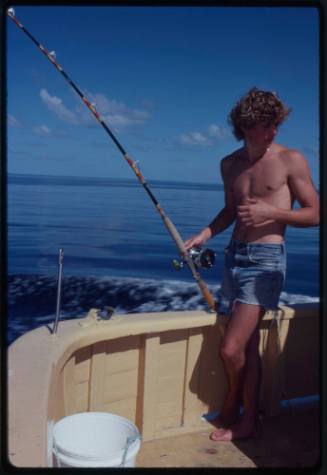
289, 440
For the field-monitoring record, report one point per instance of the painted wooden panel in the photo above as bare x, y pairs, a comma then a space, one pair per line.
82, 396
301, 374
114, 376
171, 422
212, 384
76, 380
82, 365
171, 382
193, 405
97, 380
164, 381
69, 387
167, 409
169, 388
123, 407
150, 383
122, 354
120, 386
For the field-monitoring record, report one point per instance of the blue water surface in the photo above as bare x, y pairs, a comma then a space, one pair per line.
117, 250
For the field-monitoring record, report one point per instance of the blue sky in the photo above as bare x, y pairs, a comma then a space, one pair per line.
163, 78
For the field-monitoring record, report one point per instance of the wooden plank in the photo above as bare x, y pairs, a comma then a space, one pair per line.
213, 382
69, 387
301, 359
114, 376
150, 384
170, 388
122, 354
82, 396
171, 364
193, 405
168, 422
169, 339
272, 365
173, 351
169, 408
82, 365
123, 407
140, 383
119, 345
97, 380
120, 386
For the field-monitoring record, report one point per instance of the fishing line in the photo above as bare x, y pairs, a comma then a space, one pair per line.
51, 55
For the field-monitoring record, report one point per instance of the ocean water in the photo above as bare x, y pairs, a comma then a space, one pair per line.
117, 251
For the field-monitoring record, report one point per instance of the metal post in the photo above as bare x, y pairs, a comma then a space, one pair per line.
56, 322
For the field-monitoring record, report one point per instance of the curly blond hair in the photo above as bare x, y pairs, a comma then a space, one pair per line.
257, 107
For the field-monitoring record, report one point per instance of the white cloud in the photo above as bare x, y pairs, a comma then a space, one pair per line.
13, 122
217, 132
55, 104
208, 137
116, 114
194, 138
42, 130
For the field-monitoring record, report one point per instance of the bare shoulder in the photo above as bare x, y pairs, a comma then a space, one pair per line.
229, 160
292, 159
292, 155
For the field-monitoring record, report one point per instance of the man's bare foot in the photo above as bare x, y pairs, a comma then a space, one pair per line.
237, 431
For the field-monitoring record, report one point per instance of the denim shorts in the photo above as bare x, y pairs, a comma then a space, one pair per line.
254, 273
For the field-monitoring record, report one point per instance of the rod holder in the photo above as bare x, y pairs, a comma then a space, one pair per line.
58, 304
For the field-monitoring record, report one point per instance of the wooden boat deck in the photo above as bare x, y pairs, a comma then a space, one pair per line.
289, 440
162, 372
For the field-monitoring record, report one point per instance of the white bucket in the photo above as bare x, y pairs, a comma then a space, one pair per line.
95, 439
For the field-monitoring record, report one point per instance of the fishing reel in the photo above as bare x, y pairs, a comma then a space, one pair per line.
202, 258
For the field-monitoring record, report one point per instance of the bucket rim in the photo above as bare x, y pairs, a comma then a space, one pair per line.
134, 446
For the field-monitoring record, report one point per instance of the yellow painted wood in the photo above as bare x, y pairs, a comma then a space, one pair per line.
213, 383
119, 386
161, 370
170, 388
272, 364
193, 405
150, 385
301, 359
69, 386
114, 376
122, 354
81, 397
82, 365
97, 380
122, 407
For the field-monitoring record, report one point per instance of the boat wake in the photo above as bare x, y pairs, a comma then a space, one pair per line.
32, 298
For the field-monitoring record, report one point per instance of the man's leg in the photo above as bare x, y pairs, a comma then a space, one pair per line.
239, 354
252, 379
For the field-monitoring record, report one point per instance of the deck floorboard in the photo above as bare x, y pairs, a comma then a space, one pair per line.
288, 440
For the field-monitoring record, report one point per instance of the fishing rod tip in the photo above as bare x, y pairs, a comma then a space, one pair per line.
11, 12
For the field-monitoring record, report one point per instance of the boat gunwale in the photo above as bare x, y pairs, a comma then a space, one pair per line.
71, 337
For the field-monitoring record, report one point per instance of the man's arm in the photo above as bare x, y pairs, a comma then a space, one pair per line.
304, 192
223, 219
257, 211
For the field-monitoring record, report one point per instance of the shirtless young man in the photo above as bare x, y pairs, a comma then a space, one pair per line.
262, 180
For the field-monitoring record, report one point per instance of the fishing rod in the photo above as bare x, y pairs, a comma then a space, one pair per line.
192, 259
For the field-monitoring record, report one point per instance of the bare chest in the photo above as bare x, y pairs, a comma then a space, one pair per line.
262, 180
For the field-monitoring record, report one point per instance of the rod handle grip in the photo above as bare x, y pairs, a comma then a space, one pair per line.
208, 296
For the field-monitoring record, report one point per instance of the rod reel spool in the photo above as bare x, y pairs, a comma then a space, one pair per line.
202, 258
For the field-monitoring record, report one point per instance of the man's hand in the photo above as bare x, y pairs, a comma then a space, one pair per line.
198, 240
255, 213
